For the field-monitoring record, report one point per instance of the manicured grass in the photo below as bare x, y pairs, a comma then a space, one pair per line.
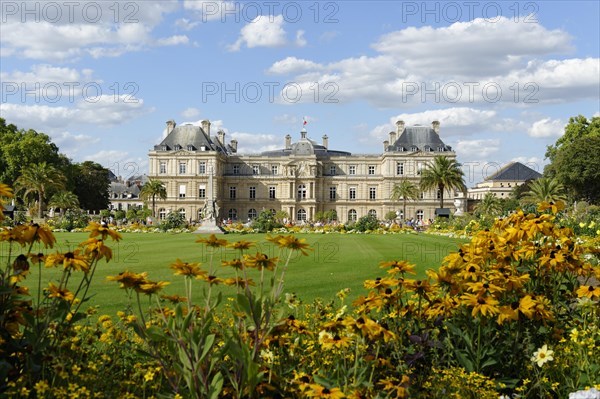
337, 261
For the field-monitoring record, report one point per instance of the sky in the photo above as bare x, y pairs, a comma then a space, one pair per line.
102, 77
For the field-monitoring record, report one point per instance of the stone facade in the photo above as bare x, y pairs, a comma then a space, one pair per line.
502, 183
302, 178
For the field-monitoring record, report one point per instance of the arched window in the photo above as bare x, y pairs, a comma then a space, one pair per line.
400, 214
372, 212
232, 214
420, 214
252, 214
301, 192
301, 215
162, 214
182, 212
352, 215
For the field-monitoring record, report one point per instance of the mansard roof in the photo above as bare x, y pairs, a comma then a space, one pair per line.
514, 171
192, 138
419, 138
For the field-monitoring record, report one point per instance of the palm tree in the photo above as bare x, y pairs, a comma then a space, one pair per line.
489, 205
442, 173
64, 200
153, 189
544, 189
39, 179
405, 190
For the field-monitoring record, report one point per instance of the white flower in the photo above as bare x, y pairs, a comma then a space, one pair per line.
542, 355
589, 394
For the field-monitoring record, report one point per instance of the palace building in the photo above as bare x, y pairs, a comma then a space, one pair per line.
302, 178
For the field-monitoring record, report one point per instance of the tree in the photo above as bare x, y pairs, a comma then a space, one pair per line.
404, 190
64, 200
20, 148
490, 205
40, 179
89, 181
442, 173
544, 189
578, 127
577, 167
151, 190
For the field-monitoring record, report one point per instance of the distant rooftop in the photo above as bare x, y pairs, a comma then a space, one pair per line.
514, 171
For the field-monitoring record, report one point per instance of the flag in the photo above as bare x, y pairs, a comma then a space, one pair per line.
305, 122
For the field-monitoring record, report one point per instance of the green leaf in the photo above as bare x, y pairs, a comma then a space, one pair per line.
208, 343
156, 334
216, 386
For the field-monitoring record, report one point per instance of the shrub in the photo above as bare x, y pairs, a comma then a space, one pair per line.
174, 220
265, 222
368, 222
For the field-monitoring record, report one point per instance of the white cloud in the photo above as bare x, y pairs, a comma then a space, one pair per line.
213, 10
286, 119
477, 149
190, 113
547, 127
104, 29
105, 111
460, 121
173, 40
476, 48
291, 65
262, 31
250, 143
185, 24
300, 40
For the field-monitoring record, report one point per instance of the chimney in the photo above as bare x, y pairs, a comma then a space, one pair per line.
435, 125
221, 136
170, 126
392, 137
399, 127
288, 142
386, 145
325, 141
234, 145
206, 127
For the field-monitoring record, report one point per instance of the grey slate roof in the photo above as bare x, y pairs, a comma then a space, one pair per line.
514, 171
192, 138
305, 146
421, 138
121, 188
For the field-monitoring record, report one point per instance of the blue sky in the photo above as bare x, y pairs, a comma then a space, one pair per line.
102, 78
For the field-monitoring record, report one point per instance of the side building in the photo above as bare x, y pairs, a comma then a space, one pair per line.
302, 178
503, 182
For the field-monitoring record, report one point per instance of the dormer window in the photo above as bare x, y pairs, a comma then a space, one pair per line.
190, 147
177, 147
202, 148
440, 149
414, 148
163, 148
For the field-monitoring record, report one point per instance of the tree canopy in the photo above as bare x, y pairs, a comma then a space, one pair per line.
574, 159
443, 173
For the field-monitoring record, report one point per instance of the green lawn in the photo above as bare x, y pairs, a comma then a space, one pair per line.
337, 262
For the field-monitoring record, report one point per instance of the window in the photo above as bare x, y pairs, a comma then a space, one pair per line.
419, 167
162, 214
372, 193
274, 170
236, 169
162, 167
182, 191
252, 214
399, 168
440, 149
273, 211
190, 147
301, 215
232, 214
400, 214
438, 194
202, 191
352, 215
422, 195
371, 169
332, 170
182, 212
182, 167
352, 170
420, 214
252, 193
414, 148
271, 192
255, 169
332, 193
301, 192
232, 192
352, 193
202, 168
200, 215
372, 212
